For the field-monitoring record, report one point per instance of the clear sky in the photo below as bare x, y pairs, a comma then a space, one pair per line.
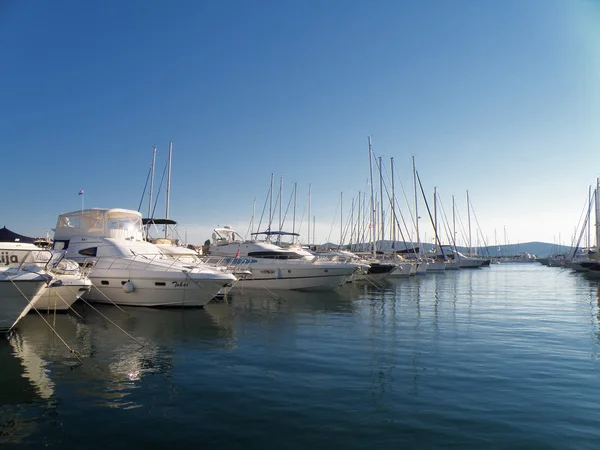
500, 98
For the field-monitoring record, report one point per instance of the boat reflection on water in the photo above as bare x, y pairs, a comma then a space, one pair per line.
20, 391
113, 365
292, 302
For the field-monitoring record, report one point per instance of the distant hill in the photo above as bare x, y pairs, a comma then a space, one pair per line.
539, 249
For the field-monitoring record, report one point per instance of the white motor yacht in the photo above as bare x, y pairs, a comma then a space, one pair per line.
127, 269
69, 283
274, 268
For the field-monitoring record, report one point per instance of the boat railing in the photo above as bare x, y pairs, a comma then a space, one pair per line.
231, 264
158, 262
345, 259
21, 258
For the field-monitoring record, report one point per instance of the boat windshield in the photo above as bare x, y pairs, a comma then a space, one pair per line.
125, 226
224, 236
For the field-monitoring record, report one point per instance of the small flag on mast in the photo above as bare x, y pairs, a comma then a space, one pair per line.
81, 192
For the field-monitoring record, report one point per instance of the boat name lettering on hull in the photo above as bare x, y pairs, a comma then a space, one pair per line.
179, 284
7, 259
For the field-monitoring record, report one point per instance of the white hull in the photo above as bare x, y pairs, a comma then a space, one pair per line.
422, 268
13, 304
452, 265
288, 277
169, 289
436, 266
60, 298
371, 276
466, 263
403, 270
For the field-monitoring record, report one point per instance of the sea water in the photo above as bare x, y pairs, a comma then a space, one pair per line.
499, 357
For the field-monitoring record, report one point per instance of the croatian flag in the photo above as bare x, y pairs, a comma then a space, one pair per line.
81, 192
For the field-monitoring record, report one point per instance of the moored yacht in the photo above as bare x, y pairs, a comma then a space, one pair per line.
70, 281
461, 261
127, 269
403, 269
275, 268
436, 264
377, 269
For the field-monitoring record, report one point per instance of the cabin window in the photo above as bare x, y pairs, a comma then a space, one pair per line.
275, 255
91, 251
60, 245
104, 283
159, 283
69, 222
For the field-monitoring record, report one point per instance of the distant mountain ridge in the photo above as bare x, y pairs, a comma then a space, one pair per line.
539, 249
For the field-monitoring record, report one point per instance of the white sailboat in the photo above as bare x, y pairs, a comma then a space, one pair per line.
435, 263
592, 264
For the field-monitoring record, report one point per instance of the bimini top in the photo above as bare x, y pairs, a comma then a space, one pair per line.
275, 233
113, 223
146, 221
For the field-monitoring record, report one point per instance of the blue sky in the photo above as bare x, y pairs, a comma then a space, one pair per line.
498, 98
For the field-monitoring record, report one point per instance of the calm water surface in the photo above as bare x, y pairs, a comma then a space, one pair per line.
502, 357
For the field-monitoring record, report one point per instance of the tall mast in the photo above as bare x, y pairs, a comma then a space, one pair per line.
454, 225
341, 218
416, 203
151, 182
253, 213
372, 225
437, 239
393, 206
351, 226
308, 239
381, 200
270, 205
495, 243
358, 228
168, 187
597, 214
280, 195
469, 219
435, 227
294, 217
589, 241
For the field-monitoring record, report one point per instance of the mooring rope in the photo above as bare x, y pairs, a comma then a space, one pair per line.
73, 351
